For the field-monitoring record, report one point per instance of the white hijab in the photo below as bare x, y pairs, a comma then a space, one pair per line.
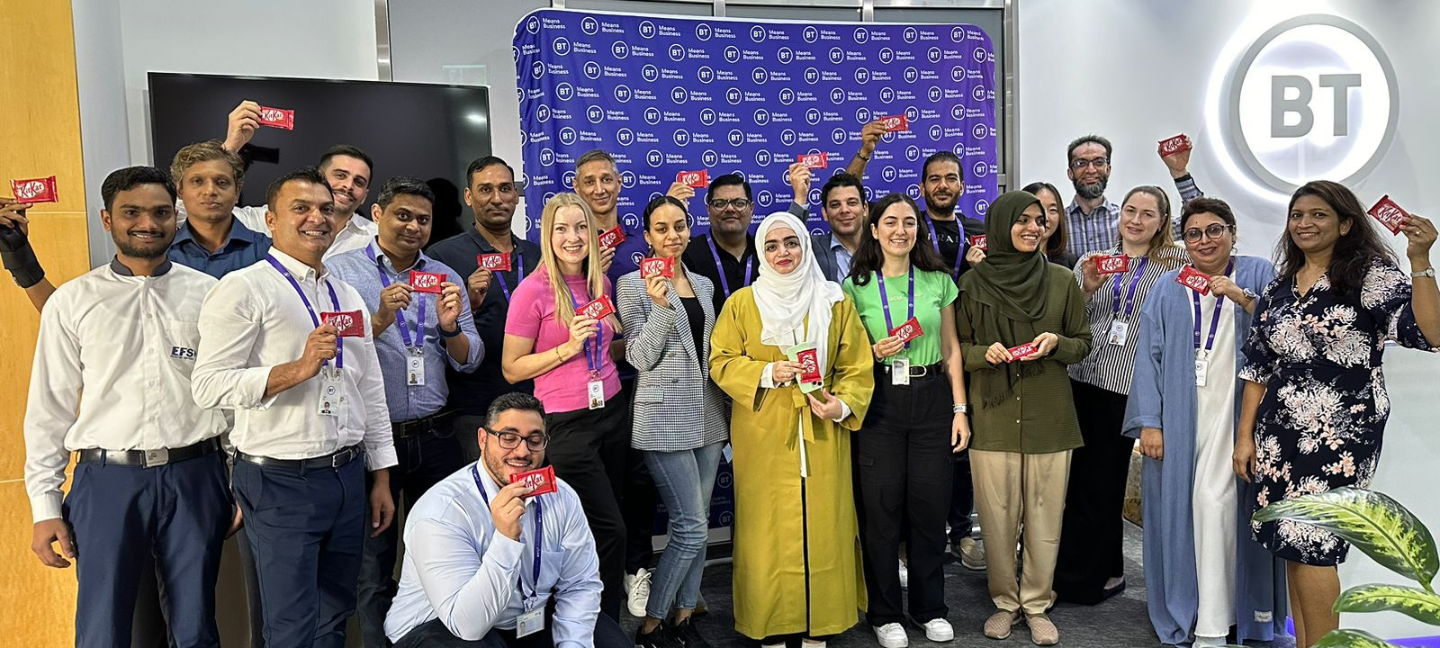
786, 301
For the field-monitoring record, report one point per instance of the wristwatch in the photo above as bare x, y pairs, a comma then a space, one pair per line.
1428, 272
1250, 295
961, 408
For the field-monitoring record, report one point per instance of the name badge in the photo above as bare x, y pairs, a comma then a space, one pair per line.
1119, 332
899, 371
530, 622
597, 395
415, 366
332, 392
1202, 371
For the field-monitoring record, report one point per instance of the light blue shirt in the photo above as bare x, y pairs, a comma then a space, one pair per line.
407, 401
459, 569
842, 257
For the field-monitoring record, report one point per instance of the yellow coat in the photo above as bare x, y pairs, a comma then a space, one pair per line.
793, 540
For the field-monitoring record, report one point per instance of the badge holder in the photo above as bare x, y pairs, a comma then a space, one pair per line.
900, 371
415, 366
332, 391
533, 620
1202, 368
597, 391
1119, 332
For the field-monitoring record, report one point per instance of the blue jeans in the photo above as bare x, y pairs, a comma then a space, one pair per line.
685, 480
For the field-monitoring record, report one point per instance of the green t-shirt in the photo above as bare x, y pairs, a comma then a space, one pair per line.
933, 291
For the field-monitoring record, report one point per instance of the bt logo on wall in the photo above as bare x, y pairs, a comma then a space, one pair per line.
1314, 97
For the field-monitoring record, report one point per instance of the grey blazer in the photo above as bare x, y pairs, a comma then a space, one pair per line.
677, 406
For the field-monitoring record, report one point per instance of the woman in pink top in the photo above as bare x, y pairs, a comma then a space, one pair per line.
569, 355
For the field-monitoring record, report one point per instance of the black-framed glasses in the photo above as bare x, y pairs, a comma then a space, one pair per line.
737, 203
511, 440
1080, 163
1214, 231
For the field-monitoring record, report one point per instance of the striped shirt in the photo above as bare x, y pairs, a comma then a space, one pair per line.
1099, 230
1110, 366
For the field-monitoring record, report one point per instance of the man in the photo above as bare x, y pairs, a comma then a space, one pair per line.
597, 181
488, 563
726, 254
492, 196
309, 407
211, 240
842, 203
1094, 221
112, 382
415, 347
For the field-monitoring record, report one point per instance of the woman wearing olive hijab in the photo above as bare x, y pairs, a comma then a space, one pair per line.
1024, 420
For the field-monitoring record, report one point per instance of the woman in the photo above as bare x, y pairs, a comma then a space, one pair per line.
1202, 572
569, 357
679, 418
1314, 406
1091, 567
797, 560
1055, 239
904, 450
1021, 452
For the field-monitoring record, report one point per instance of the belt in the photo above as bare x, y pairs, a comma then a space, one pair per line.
412, 427
333, 460
926, 371
149, 458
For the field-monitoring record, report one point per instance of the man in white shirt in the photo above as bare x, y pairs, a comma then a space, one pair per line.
112, 383
489, 564
309, 406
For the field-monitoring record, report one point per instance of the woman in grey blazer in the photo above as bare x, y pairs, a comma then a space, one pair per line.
679, 419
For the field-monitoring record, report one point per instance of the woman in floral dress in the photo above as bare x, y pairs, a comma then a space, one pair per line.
1314, 406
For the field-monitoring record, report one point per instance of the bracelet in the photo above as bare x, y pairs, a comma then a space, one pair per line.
863, 157
559, 357
448, 334
961, 408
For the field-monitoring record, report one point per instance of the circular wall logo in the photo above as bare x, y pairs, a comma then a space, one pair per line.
757, 34
732, 54
589, 25
704, 31
625, 137
568, 179
561, 46
707, 116
1314, 97
810, 34
647, 29
620, 49
677, 52
649, 73
651, 115
591, 70
787, 96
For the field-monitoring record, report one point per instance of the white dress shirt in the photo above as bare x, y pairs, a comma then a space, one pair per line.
354, 236
253, 321
112, 370
459, 569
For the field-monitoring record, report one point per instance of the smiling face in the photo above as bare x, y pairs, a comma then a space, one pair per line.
505, 464
783, 250
141, 221
942, 187
598, 184
735, 212
1140, 219
669, 231
570, 238
1315, 226
349, 179
405, 224
1208, 251
1053, 211
304, 226
493, 197
1089, 170
897, 230
1026, 232
209, 191
844, 209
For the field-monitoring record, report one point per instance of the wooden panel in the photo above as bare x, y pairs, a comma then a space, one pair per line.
39, 601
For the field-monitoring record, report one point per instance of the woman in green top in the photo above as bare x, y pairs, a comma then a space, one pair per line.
1024, 414
903, 451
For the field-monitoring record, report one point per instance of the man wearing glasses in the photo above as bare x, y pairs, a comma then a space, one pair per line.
726, 255
1092, 220
488, 562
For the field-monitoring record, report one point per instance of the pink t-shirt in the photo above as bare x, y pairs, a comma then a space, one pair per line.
532, 315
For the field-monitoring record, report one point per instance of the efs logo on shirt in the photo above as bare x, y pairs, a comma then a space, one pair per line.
182, 353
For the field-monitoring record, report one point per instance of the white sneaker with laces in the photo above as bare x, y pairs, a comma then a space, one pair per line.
891, 635
637, 592
904, 577
939, 630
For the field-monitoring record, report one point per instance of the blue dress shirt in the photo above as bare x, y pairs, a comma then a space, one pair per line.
244, 247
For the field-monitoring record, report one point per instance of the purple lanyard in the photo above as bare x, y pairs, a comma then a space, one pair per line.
593, 344
519, 274
1214, 319
959, 247
720, 268
885, 300
539, 531
419, 337
1130, 296
334, 300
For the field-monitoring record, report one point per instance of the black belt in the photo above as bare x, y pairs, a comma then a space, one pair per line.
149, 458
927, 371
412, 427
333, 460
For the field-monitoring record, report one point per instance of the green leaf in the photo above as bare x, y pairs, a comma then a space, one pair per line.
1372, 521
1352, 639
1415, 603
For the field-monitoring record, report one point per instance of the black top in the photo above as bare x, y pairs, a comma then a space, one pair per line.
698, 258
696, 315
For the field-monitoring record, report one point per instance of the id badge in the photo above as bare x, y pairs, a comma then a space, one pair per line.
332, 391
415, 367
1119, 332
1202, 371
597, 395
900, 371
530, 622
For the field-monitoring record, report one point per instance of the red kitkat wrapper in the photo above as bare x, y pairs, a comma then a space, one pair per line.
598, 309
809, 360
1194, 280
695, 179
651, 266
427, 282
35, 190
612, 237
814, 160
349, 323
277, 118
1174, 145
1112, 264
542, 481
1023, 351
494, 261
978, 241
909, 330
895, 123
1389, 214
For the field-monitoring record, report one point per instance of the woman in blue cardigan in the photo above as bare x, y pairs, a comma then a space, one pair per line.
1203, 572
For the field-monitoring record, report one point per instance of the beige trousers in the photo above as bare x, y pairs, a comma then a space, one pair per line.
1016, 491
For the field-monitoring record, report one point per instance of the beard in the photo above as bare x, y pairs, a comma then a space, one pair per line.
159, 250
1091, 191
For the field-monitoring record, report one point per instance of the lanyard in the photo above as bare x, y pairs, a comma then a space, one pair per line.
593, 344
1130, 296
1214, 319
334, 300
537, 540
419, 337
959, 247
885, 299
519, 274
720, 268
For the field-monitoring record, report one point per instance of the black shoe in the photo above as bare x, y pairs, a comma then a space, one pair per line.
660, 637
688, 636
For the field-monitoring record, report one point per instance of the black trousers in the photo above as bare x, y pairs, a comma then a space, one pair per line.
962, 500
905, 470
587, 448
638, 501
1093, 534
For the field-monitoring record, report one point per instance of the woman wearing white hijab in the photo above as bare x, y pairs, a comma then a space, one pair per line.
795, 532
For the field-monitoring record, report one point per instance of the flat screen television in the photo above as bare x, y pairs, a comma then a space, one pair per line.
429, 131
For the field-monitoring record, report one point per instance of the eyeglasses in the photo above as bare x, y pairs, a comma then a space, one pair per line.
1080, 163
511, 440
1214, 231
737, 203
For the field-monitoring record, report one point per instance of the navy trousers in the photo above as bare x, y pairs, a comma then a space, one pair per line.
307, 533
168, 520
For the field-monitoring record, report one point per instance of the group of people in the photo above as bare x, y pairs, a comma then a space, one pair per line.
284, 372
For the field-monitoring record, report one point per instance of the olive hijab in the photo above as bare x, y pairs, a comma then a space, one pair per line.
1011, 289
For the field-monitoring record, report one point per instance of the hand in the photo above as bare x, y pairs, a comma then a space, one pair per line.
658, 287
1222, 286
784, 371
382, 504
827, 406
1178, 163
581, 329
507, 507
12, 214
394, 298
447, 307
237, 522
1421, 233
478, 283
1045, 344
997, 354
607, 257
800, 182
1090, 278
974, 255
887, 347
959, 433
1152, 443
870, 135
48, 532
243, 123
681, 191
319, 347
1243, 460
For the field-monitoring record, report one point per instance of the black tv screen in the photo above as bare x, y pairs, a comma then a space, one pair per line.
424, 130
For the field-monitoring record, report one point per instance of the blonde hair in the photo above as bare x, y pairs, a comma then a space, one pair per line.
1164, 236
564, 301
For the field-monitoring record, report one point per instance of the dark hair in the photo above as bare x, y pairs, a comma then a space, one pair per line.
841, 179
1056, 244
405, 185
593, 155
661, 201
727, 180
482, 163
307, 174
941, 156
1353, 253
870, 258
512, 401
1207, 205
1087, 139
130, 177
348, 151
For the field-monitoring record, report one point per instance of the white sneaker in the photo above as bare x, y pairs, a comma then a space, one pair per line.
1208, 642
637, 591
891, 635
904, 577
939, 630
811, 643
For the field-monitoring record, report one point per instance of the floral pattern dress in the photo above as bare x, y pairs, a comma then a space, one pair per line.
1320, 424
